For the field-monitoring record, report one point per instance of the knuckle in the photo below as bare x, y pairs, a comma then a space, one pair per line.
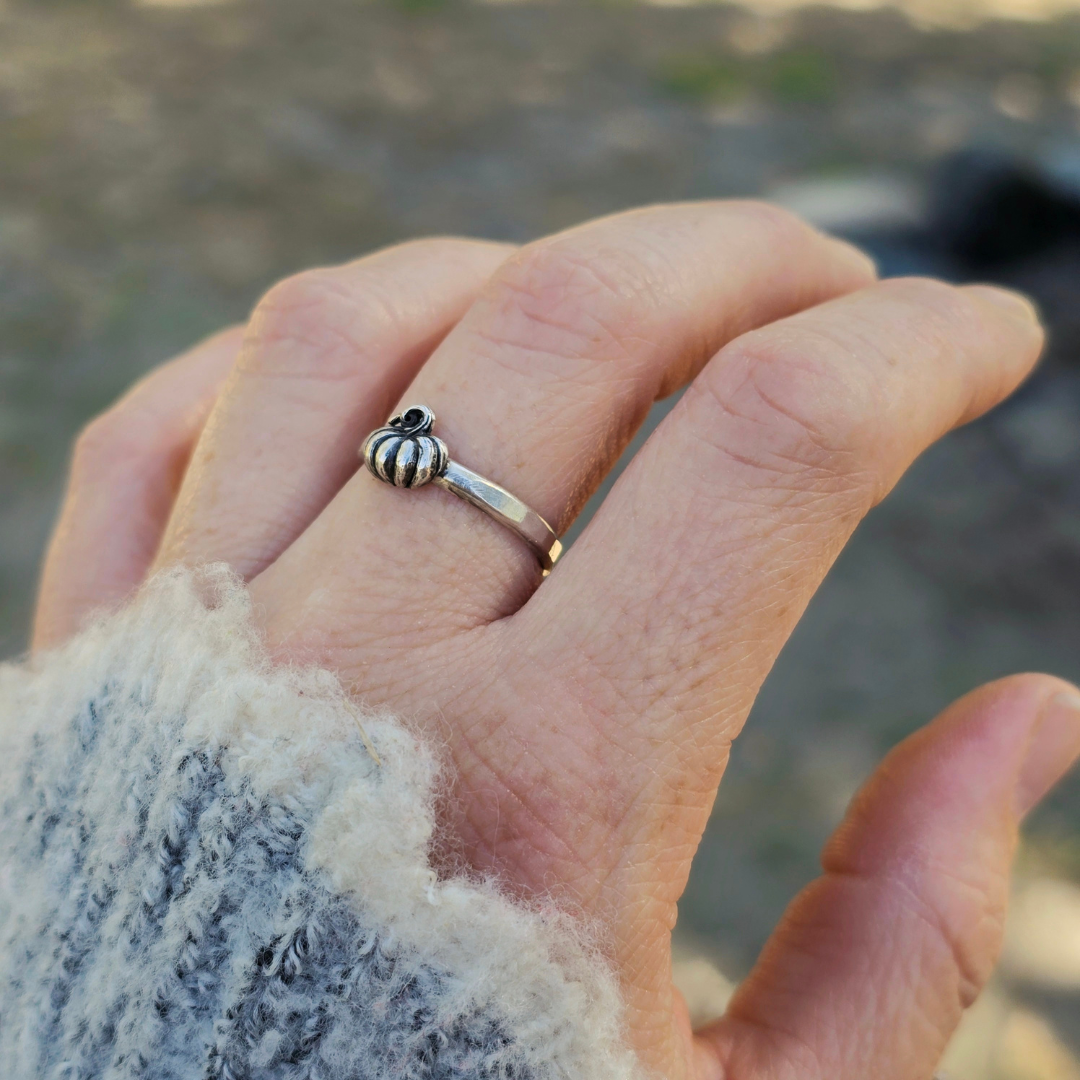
967, 929
96, 441
932, 293
296, 294
754, 1037
938, 311
783, 226
110, 439
552, 297
800, 410
451, 248
293, 308
316, 324
828, 395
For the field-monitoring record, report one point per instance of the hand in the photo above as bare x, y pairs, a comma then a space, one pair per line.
589, 716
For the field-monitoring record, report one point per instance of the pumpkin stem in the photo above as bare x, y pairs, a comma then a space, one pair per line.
417, 420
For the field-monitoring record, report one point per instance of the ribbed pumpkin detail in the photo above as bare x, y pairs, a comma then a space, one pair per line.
404, 452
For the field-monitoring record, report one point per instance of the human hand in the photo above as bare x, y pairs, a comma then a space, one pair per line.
588, 717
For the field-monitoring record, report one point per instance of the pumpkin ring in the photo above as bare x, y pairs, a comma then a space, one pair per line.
404, 452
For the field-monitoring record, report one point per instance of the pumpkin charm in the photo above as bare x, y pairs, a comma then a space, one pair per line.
404, 452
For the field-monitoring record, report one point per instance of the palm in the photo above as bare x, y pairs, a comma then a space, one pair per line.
587, 720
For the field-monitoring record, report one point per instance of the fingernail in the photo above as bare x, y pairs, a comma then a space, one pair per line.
1054, 746
1017, 305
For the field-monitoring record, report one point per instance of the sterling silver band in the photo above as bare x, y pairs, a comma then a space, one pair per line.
405, 454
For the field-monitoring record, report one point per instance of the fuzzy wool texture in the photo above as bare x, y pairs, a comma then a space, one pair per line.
204, 874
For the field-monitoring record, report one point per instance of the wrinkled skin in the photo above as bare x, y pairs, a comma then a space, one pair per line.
588, 716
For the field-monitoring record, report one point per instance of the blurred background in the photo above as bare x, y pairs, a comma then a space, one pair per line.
162, 163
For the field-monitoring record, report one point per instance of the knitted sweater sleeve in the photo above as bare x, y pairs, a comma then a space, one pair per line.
214, 868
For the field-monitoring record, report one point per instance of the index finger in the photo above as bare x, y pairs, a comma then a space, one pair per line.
704, 556
688, 581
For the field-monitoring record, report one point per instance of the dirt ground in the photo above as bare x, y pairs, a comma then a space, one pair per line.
161, 166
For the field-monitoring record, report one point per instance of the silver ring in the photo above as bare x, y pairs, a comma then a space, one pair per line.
405, 454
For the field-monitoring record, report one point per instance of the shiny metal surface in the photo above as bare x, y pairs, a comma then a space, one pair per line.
405, 454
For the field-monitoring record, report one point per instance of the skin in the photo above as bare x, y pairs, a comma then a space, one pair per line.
587, 717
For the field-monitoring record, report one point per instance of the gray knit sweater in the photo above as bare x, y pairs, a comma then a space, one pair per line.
212, 868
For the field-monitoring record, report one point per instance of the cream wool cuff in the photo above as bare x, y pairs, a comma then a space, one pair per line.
204, 874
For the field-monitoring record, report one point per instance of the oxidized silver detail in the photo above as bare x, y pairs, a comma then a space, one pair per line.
405, 453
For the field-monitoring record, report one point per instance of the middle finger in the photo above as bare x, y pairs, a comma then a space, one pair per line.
540, 387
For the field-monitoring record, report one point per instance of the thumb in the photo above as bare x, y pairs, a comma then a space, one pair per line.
873, 964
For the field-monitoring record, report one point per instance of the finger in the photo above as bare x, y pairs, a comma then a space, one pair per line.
126, 468
544, 381
873, 964
325, 356
713, 541
699, 563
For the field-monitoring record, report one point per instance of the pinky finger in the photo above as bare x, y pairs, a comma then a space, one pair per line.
125, 472
873, 964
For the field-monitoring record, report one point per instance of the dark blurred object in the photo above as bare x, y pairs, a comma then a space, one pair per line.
1004, 221
991, 214
990, 217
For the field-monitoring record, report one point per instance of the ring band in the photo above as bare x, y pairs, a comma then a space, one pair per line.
405, 454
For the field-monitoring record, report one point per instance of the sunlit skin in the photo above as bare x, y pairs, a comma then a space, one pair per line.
588, 717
